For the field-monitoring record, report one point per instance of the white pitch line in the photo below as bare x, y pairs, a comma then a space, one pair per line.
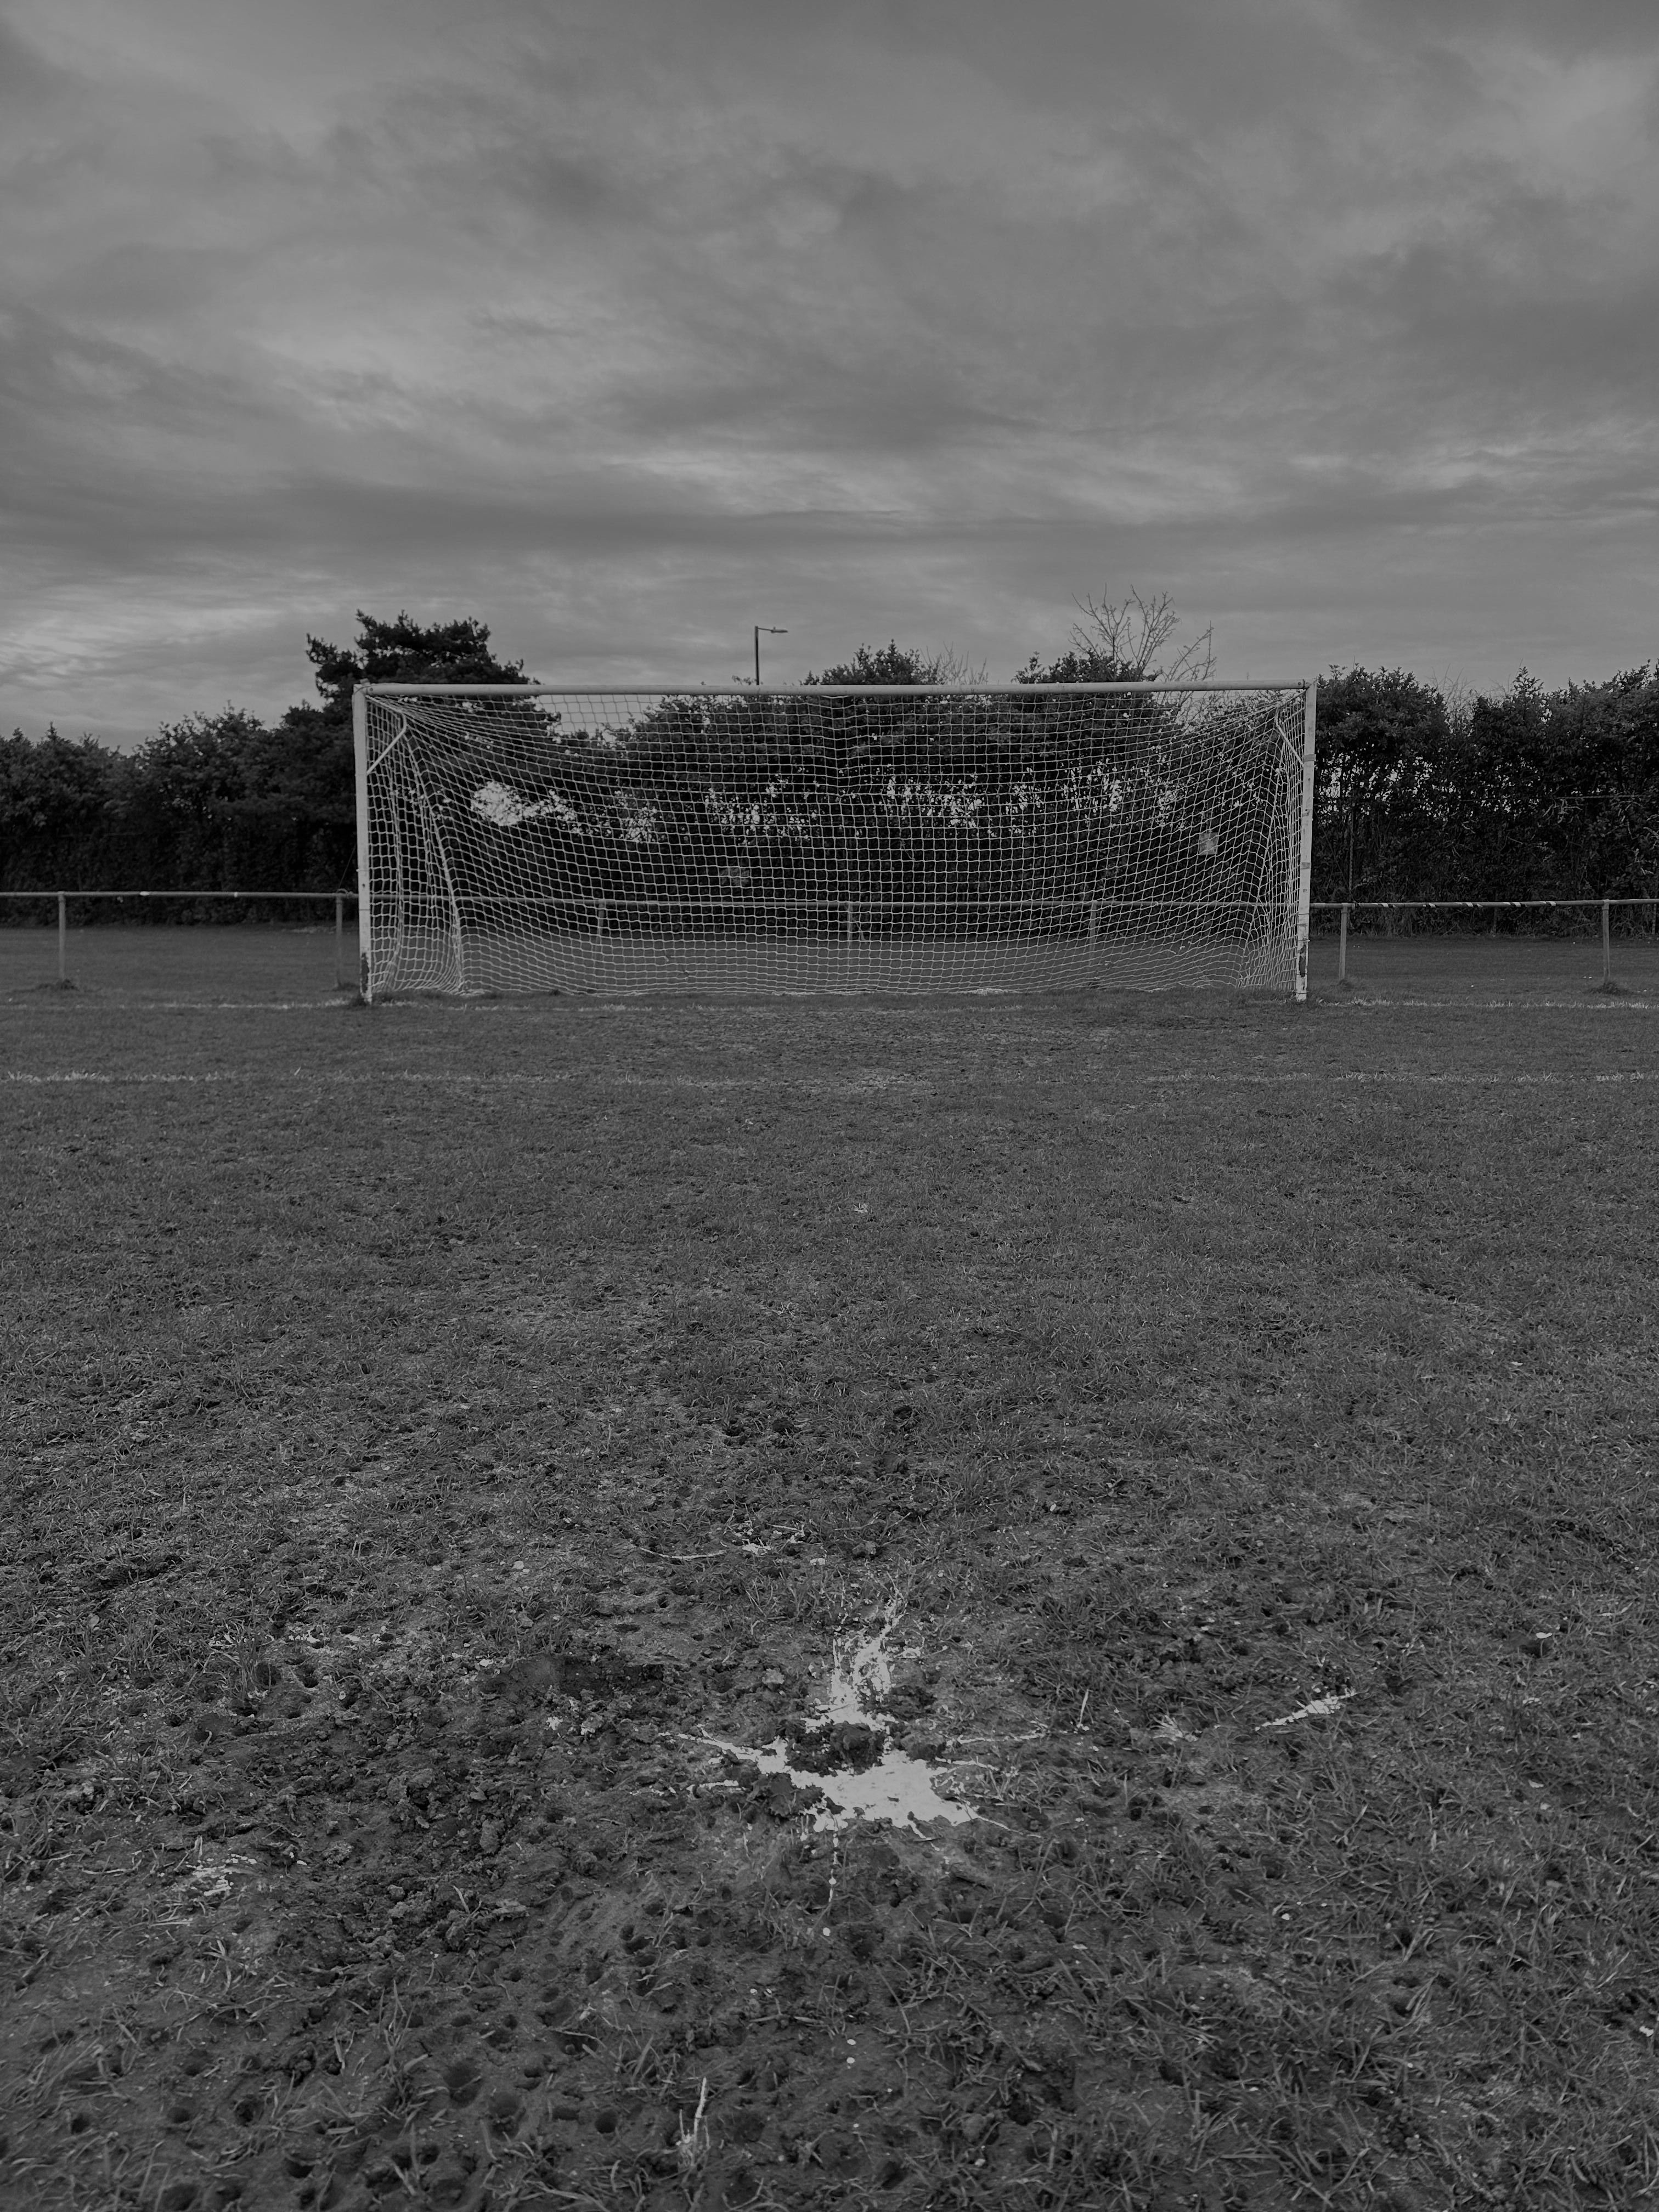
856, 1085
1602, 1007
217, 1005
1457, 1078
568, 1006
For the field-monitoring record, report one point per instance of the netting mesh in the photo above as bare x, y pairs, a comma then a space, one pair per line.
827, 840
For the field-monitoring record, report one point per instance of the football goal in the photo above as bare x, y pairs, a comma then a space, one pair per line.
833, 839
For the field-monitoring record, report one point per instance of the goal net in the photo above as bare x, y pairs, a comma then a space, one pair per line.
830, 839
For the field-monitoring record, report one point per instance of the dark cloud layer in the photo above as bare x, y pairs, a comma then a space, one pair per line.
631, 324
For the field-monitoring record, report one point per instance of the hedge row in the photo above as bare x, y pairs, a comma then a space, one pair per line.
1530, 794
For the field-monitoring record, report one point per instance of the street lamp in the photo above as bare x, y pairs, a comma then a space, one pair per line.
770, 633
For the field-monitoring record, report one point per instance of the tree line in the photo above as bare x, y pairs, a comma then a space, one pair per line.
1527, 794
223, 802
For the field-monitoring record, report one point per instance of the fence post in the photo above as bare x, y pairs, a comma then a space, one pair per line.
340, 940
1094, 919
1607, 943
1342, 946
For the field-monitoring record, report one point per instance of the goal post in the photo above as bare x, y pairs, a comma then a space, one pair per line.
834, 838
1304, 849
365, 901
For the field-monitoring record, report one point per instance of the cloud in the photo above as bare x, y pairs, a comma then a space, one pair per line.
626, 325
1568, 28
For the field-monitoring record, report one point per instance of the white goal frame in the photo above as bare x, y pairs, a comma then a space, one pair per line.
486, 889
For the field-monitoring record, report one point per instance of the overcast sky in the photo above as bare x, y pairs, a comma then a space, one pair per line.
629, 324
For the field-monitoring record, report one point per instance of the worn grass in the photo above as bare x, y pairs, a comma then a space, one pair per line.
426, 1426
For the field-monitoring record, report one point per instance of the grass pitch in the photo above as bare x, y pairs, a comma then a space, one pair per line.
430, 1428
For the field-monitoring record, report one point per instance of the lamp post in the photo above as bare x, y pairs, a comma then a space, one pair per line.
770, 633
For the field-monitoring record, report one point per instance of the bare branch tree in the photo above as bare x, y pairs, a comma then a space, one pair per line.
949, 665
1122, 644
1132, 634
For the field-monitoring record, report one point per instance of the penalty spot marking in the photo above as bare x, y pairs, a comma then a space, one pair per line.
896, 1787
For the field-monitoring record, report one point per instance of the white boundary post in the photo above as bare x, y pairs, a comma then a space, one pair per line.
1304, 888
365, 910
62, 939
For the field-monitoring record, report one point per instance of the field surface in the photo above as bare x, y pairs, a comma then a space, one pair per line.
244, 964
492, 1488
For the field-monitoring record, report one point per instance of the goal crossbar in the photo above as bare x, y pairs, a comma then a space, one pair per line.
833, 838
793, 691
